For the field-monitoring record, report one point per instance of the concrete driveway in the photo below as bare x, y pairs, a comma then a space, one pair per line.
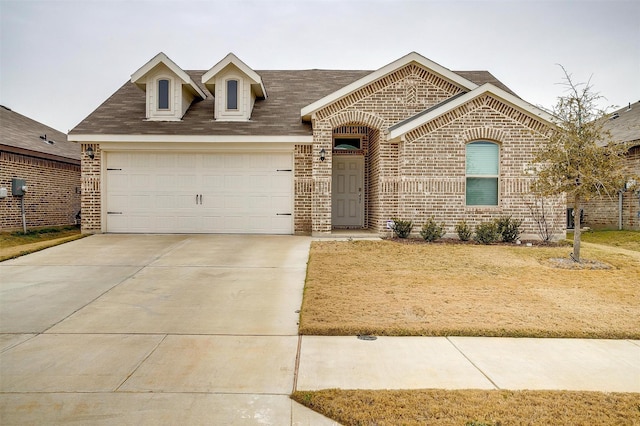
153, 329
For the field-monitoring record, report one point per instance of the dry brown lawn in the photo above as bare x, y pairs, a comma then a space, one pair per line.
392, 288
474, 407
15, 244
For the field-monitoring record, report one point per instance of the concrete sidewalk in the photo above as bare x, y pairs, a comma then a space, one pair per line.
469, 363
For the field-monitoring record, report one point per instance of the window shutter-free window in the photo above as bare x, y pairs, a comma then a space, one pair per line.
163, 94
232, 94
483, 159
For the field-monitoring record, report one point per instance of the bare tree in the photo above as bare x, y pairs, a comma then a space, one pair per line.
579, 158
542, 215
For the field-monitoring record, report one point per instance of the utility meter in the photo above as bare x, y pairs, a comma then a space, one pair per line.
18, 187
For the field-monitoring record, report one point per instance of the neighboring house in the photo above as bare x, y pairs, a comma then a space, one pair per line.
50, 166
234, 150
620, 210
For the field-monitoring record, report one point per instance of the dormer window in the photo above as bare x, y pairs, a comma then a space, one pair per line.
163, 94
169, 91
232, 94
235, 88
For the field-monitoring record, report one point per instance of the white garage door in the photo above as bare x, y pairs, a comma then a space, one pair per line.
199, 192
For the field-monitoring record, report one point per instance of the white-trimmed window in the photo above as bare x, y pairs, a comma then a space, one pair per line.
232, 95
482, 173
164, 88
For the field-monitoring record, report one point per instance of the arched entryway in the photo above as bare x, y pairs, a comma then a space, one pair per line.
353, 188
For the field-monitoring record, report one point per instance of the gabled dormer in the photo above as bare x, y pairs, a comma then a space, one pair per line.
169, 90
235, 88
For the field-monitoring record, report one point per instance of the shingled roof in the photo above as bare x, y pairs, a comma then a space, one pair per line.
23, 135
279, 115
624, 124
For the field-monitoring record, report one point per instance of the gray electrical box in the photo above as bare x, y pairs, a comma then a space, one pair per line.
18, 187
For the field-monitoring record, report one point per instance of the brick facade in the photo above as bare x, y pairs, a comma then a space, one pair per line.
412, 175
424, 175
53, 197
91, 203
604, 212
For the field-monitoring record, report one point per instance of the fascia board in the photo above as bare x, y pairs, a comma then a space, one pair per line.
244, 68
88, 138
382, 72
198, 147
518, 103
139, 75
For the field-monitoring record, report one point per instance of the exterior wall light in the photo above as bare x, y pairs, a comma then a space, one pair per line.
323, 154
89, 152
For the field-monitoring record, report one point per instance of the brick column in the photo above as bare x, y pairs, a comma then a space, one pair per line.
90, 199
321, 174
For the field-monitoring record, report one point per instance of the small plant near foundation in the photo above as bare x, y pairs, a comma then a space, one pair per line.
431, 231
508, 228
402, 228
463, 230
487, 233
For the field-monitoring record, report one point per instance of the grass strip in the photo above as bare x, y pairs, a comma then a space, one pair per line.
472, 407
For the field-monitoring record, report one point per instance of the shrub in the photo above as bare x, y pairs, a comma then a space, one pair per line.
487, 233
431, 231
508, 228
464, 231
402, 228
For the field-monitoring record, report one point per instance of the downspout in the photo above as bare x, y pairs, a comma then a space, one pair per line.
619, 210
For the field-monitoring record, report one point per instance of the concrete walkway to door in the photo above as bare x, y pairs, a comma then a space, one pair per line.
153, 329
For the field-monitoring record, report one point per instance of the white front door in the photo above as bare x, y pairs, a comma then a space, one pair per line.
347, 191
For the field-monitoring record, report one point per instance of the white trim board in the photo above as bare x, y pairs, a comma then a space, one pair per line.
238, 139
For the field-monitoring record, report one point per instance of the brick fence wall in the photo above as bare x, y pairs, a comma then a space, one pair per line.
53, 196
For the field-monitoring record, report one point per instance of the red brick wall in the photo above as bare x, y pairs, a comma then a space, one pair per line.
53, 196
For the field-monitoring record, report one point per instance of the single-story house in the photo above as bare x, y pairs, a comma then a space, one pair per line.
236, 150
621, 210
50, 168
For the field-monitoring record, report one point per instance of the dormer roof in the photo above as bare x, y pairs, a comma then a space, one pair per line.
412, 123
383, 72
139, 77
209, 78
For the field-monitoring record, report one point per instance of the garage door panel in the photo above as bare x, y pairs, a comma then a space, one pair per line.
200, 192
140, 201
140, 181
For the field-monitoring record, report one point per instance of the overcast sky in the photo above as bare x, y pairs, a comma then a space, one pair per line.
59, 60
